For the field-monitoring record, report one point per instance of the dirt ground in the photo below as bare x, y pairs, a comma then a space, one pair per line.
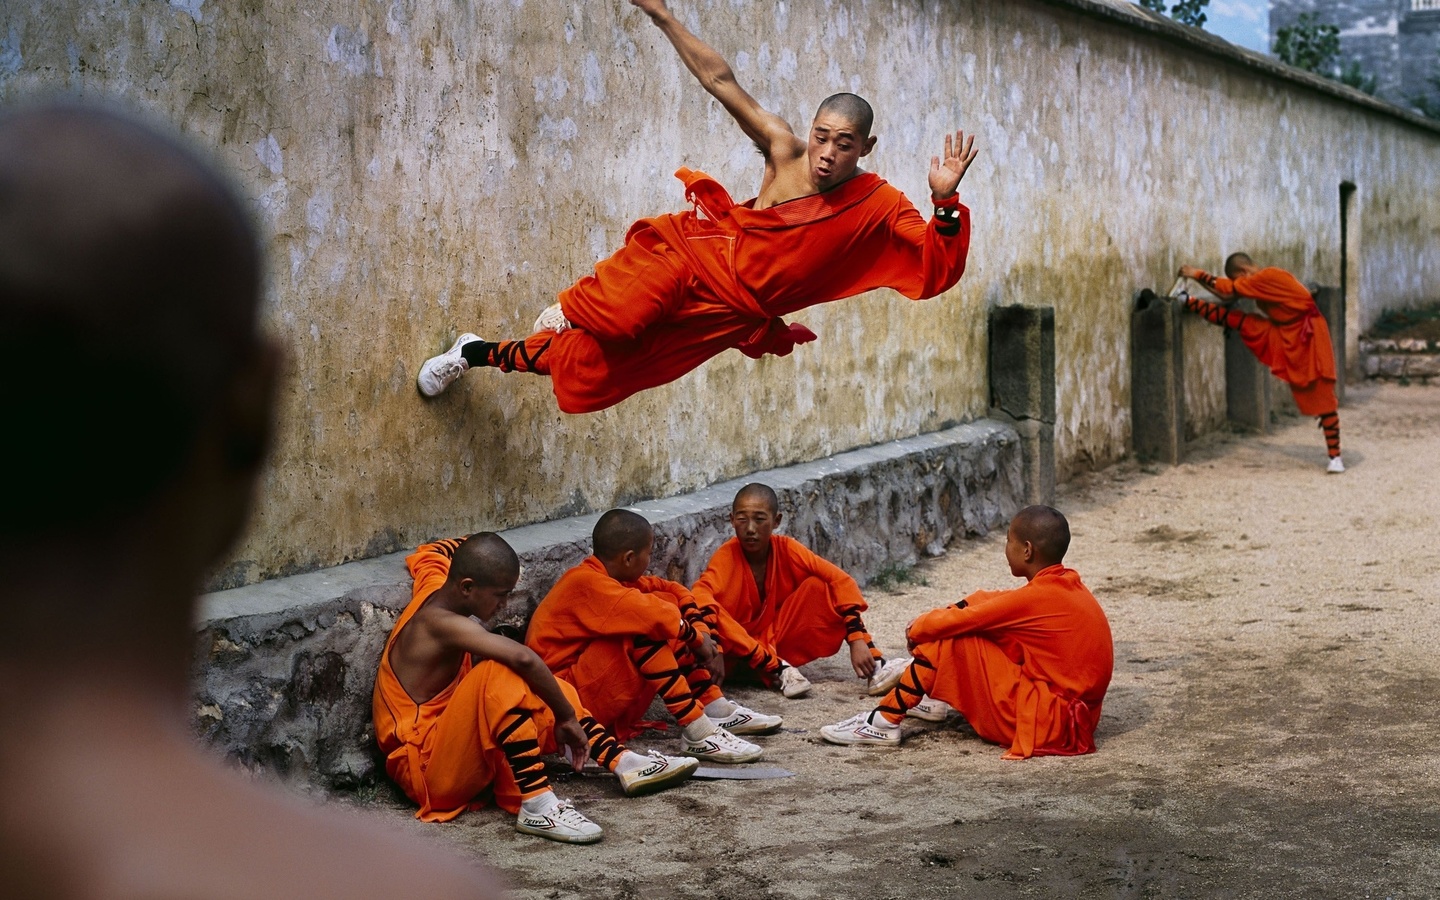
1271, 730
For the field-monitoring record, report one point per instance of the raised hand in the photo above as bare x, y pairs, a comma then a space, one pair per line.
652, 8
945, 174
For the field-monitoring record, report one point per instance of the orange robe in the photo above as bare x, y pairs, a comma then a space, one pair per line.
1292, 339
688, 286
1028, 668
802, 616
585, 628
443, 753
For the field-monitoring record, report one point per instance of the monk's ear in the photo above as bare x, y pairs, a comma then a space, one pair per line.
868, 146
1029, 551
778, 517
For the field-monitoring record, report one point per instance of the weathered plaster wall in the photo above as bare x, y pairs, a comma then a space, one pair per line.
422, 169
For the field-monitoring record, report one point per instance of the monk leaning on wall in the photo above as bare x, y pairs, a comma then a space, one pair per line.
777, 605
461, 712
1027, 668
133, 469
1291, 338
688, 286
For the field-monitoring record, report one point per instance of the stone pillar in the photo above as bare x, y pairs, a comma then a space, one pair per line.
1157, 379
1247, 383
1331, 301
1022, 389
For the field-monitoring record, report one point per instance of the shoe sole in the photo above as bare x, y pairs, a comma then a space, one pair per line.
723, 760
858, 742
560, 838
910, 713
753, 729
666, 779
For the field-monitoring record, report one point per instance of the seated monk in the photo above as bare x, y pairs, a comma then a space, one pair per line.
620, 637
1028, 668
459, 710
777, 605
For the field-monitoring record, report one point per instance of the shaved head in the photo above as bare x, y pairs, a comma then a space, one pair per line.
758, 492
620, 530
1047, 531
487, 560
852, 108
129, 280
1235, 262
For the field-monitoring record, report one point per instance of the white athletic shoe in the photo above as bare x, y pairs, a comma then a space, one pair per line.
792, 683
887, 676
561, 822
747, 721
662, 772
552, 319
1336, 466
860, 729
722, 747
439, 372
930, 710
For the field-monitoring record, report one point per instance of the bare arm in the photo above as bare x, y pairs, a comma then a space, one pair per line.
770, 132
466, 634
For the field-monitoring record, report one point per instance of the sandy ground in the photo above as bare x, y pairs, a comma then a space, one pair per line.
1271, 730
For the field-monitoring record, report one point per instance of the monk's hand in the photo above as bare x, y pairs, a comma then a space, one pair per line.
655, 9
571, 740
1190, 272
712, 659
945, 174
861, 660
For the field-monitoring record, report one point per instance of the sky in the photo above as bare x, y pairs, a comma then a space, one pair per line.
1245, 23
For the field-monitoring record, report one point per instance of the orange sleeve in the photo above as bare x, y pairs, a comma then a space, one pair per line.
700, 618
429, 566
926, 261
802, 559
604, 607
716, 593
980, 611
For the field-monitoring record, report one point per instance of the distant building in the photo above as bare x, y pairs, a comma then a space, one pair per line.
1397, 41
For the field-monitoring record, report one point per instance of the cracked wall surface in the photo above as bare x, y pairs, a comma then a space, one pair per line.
421, 170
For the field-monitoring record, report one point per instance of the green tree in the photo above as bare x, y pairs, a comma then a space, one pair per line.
1186, 12
1357, 78
1308, 44
1154, 5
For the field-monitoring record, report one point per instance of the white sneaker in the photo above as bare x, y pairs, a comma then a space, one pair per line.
561, 822
887, 676
792, 683
930, 710
663, 772
439, 372
722, 747
1336, 466
747, 721
552, 319
860, 729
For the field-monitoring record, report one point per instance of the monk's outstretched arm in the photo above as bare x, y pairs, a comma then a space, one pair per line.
1220, 287
769, 132
935, 252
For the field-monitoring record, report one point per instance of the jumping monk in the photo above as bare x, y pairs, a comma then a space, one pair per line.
1291, 338
620, 637
1028, 668
688, 286
133, 471
777, 605
459, 710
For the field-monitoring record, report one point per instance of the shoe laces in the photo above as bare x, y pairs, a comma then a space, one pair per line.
566, 813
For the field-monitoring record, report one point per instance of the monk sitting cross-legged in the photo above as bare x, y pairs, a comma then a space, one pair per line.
777, 605
621, 637
1028, 668
687, 286
459, 710
1291, 338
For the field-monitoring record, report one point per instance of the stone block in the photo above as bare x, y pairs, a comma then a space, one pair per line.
284, 668
1371, 364
1426, 366
1157, 379
1022, 388
1392, 365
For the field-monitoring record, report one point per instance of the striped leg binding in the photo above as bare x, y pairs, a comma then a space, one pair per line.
605, 749
511, 356
1215, 313
915, 683
520, 742
658, 665
1330, 424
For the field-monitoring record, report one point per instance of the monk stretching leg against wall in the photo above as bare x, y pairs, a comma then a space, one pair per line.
621, 637
777, 605
1028, 668
688, 286
1291, 338
459, 710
